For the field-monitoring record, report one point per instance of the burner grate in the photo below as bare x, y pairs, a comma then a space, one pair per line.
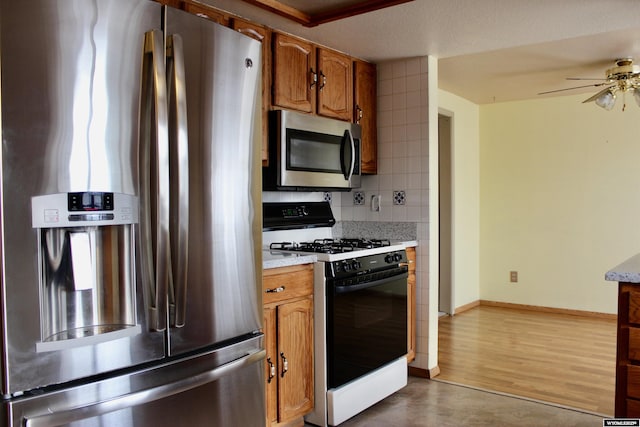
331, 246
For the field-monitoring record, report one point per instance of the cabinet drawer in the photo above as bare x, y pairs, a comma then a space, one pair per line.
633, 381
634, 344
279, 284
634, 307
633, 408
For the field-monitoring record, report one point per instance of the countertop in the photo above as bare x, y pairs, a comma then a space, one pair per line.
278, 259
274, 260
628, 271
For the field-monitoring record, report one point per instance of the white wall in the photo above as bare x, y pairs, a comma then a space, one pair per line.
465, 153
559, 200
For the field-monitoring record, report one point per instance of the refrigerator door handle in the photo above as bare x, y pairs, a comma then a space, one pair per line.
154, 202
179, 169
142, 397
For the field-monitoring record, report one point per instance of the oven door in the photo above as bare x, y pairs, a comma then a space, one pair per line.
366, 325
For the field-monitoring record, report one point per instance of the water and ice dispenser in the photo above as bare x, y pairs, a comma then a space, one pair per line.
87, 267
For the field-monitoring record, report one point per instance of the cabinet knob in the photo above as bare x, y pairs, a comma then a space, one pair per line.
275, 290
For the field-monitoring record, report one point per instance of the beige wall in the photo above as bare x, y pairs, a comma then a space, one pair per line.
559, 200
465, 188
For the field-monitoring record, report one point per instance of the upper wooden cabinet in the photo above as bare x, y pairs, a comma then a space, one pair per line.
335, 84
294, 67
311, 79
208, 12
173, 3
263, 35
365, 113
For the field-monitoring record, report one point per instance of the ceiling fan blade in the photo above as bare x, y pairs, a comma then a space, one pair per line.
583, 78
597, 95
571, 88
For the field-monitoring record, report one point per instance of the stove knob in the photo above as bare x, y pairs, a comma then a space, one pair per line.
355, 264
346, 266
388, 259
397, 257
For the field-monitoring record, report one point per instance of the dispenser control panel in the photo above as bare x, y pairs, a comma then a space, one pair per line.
90, 201
87, 208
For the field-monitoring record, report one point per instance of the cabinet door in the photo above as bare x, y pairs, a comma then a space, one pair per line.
365, 112
295, 358
294, 66
271, 361
335, 85
263, 35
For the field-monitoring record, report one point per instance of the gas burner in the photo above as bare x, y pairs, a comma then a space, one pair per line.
366, 243
330, 246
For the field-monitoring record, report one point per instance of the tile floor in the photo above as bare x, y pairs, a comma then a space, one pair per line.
426, 403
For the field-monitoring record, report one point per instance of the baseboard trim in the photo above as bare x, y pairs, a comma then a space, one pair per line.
466, 307
582, 313
424, 373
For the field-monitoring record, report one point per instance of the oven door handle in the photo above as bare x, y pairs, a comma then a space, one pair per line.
360, 286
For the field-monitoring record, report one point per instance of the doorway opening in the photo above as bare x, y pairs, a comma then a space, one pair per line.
445, 283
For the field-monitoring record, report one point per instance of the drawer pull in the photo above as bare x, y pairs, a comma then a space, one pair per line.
275, 290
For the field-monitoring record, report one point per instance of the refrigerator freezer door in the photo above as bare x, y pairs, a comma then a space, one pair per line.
218, 388
71, 74
222, 77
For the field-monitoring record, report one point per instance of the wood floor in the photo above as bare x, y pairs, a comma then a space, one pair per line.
559, 358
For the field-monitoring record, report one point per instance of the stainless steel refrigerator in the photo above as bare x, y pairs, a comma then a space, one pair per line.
130, 217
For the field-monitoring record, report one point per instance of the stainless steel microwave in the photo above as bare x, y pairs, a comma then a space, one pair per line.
311, 153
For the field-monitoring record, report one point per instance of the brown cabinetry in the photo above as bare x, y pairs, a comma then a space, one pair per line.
627, 401
411, 305
288, 329
365, 113
335, 85
263, 35
311, 79
294, 77
208, 12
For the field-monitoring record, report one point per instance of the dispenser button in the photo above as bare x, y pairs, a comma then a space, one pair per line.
51, 215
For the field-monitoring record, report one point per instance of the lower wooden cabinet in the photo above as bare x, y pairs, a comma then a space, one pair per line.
627, 401
288, 329
411, 306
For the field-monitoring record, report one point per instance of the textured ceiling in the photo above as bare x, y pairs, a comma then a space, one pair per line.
489, 50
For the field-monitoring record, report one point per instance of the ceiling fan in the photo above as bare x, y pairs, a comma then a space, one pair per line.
623, 78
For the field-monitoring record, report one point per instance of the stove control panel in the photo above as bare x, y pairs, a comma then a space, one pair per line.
365, 264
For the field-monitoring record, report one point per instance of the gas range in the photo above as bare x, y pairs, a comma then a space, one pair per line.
359, 305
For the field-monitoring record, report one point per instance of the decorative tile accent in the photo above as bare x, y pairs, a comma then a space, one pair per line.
399, 197
358, 198
327, 197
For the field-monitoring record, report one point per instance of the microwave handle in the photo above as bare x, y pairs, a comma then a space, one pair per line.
347, 169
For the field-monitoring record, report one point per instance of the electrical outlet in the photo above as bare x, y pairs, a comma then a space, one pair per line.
514, 276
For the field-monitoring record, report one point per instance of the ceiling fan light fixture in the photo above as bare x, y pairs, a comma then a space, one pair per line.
608, 99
